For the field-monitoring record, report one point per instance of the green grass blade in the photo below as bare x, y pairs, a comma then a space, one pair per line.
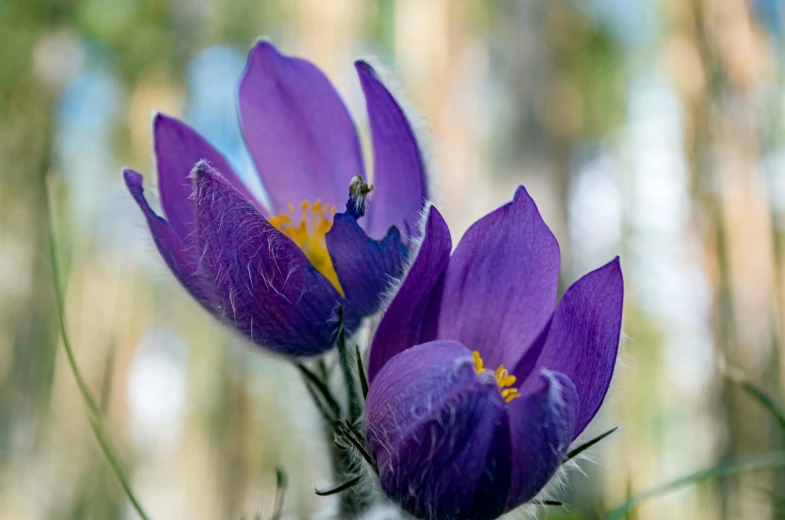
766, 401
773, 460
281, 483
93, 413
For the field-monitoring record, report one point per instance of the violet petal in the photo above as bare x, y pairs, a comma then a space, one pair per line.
178, 147
499, 288
584, 336
297, 129
365, 267
398, 168
263, 284
541, 429
176, 254
399, 328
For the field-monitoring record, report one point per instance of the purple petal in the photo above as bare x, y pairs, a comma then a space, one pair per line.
439, 434
584, 336
500, 286
399, 329
365, 267
174, 252
541, 429
264, 284
178, 147
297, 129
398, 168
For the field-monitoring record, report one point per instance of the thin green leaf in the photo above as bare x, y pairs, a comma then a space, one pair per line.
361, 371
553, 503
281, 483
347, 432
586, 445
338, 489
323, 411
766, 401
323, 391
93, 412
771, 460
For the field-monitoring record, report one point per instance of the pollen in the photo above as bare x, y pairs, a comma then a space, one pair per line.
503, 379
308, 229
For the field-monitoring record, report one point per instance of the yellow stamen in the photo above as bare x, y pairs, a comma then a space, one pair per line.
308, 233
503, 379
477, 362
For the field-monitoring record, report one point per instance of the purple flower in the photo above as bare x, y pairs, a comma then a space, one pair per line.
279, 274
454, 437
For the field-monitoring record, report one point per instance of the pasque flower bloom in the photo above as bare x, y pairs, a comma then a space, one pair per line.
278, 274
453, 436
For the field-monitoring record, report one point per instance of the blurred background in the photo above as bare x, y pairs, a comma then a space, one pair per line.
650, 129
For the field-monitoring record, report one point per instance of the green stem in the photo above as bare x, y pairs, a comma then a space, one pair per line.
355, 410
93, 413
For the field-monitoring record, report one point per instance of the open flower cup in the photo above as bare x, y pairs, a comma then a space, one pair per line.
477, 384
278, 274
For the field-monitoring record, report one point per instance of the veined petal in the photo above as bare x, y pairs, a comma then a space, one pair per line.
263, 284
438, 431
499, 288
583, 339
176, 255
541, 428
398, 168
178, 147
399, 329
297, 129
365, 267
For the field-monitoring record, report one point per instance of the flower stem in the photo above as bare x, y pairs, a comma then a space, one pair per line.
355, 409
93, 413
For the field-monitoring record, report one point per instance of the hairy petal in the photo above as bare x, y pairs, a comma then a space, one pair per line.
439, 434
398, 169
263, 284
500, 286
365, 267
178, 147
174, 252
297, 129
583, 339
399, 329
541, 428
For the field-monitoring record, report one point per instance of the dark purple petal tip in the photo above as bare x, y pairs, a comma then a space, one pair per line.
178, 147
399, 170
365, 267
399, 329
499, 287
175, 252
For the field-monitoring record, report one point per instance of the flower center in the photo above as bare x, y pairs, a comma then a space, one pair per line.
503, 379
308, 233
